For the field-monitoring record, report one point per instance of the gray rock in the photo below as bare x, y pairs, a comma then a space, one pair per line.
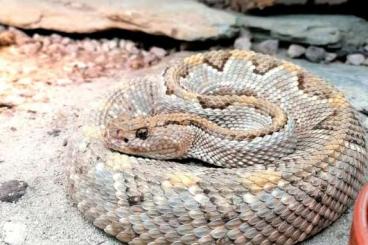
330, 57
12, 190
183, 20
158, 52
14, 233
243, 5
352, 80
243, 43
315, 54
244, 40
329, 30
355, 59
365, 62
295, 51
267, 47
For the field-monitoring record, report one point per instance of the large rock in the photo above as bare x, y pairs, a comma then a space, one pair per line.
346, 32
243, 5
180, 19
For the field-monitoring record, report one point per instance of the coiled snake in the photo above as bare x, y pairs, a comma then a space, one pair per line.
228, 147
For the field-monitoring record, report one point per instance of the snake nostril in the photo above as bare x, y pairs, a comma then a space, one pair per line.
126, 140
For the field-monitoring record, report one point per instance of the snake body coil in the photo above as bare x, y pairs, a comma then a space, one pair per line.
282, 154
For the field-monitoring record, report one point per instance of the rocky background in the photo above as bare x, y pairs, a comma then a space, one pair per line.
57, 55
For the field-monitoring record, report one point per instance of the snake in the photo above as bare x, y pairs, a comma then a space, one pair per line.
223, 147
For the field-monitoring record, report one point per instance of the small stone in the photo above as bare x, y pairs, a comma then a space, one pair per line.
131, 48
158, 52
112, 44
243, 43
295, 51
12, 190
30, 48
37, 37
46, 42
149, 58
89, 46
136, 62
54, 132
66, 41
267, 47
365, 62
355, 59
105, 47
14, 233
315, 54
56, 38
122, 43
330, 57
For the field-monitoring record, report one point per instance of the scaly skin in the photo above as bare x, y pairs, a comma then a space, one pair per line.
291, 151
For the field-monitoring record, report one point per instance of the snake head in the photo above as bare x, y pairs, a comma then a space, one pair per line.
151, 137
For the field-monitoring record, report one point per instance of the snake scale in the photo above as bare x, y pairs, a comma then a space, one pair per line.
226, 147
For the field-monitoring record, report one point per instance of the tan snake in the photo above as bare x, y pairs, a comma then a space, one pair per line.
229, 147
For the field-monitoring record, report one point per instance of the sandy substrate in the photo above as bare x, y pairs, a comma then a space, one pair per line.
32, 147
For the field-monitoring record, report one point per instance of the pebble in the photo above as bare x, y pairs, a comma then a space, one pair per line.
136, 62
315, 54
270, 47
330, 57
14, 233
30, 48
243, 43
295, 51
365, 62
54, 132
112, 44
12, 190
89, 46
56, 38
158, 52
131, 47
355, 59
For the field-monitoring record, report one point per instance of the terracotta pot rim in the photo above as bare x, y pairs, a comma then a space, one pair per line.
359, 228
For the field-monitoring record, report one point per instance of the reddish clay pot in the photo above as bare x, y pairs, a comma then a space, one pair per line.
359, 227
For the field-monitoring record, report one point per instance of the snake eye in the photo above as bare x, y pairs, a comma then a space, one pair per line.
141, 133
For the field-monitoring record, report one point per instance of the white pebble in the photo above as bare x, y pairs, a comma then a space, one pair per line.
295, 51
355, 59
14, 233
